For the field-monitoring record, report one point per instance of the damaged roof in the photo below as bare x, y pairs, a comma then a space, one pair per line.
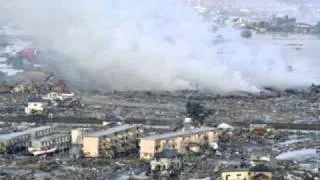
261, 168
35, 99
167, 153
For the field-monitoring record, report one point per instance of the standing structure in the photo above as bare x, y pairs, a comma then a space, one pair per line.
112, 142
50, 144
35, 106
11, 141
78, 134
179, 141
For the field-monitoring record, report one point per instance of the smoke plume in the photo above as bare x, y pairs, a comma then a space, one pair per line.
153, 44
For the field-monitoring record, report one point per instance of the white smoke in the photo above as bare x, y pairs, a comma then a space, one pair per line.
153, 44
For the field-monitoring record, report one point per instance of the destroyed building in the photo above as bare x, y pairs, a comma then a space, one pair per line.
167, 162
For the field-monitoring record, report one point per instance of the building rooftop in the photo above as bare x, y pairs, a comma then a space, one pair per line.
6, 137
261, 168
112, 130
50, 137
12, 135
167, 153
81, 129
35, 99
40, 128
179, 133
234, 170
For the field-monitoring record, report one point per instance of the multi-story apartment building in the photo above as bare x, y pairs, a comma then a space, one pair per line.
50, 144
179, 141
112, 142
78, 134
11, 141
40, 131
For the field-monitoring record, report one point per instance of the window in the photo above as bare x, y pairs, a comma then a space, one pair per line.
227, 177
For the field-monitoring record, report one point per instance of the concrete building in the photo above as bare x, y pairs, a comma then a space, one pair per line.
40, 131
303, 28
11, 141
260, 172
177, 140
112, 142
8, 142
50, 144
235, 174
78, 134
35, 106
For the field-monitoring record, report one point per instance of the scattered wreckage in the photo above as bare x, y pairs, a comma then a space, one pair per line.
41, 105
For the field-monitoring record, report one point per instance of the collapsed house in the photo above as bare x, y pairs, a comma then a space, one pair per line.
260, 129
166, 162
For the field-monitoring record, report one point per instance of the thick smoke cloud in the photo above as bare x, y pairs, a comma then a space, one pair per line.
152, 44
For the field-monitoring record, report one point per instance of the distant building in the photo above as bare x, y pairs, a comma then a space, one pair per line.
9, 142
53, 96
257, 172
112, 142
50, 144
35, 106
179, 141
257, 159
41, 131
303, 28
78, 134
